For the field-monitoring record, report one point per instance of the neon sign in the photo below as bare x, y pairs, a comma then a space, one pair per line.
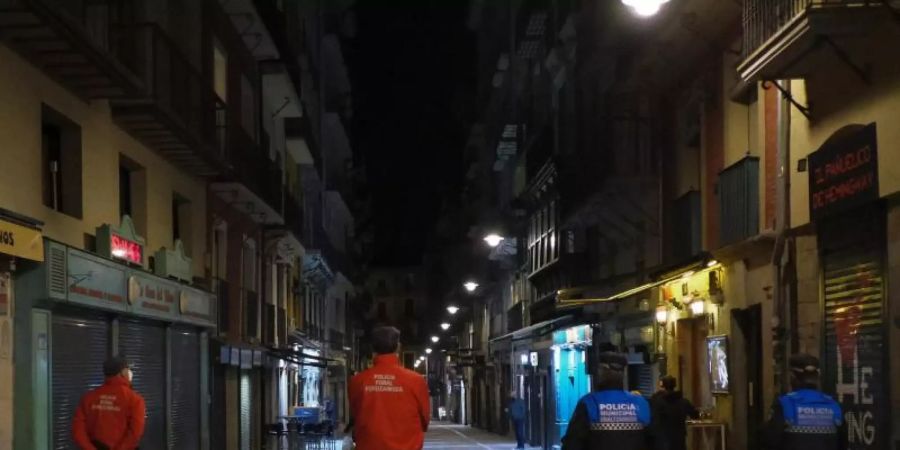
121, 243
122, 248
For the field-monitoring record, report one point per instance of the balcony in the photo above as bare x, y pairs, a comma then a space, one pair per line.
780, 36
175, 112
72, 41
739, 201
252, 182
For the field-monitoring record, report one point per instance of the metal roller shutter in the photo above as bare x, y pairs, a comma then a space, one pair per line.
246, 410
854, 358
640, 378
144, 345
186, 395
80, 345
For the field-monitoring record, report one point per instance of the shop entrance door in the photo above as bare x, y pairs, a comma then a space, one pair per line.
693, 375
749, 325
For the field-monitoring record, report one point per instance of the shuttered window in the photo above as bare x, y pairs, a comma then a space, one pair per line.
186, 394
80, 345
144, 345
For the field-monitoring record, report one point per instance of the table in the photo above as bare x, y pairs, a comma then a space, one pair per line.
707, 427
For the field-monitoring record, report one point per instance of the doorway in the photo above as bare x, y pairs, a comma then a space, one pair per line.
693, 375
749, 324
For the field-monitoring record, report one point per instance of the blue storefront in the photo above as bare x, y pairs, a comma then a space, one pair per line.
571, 377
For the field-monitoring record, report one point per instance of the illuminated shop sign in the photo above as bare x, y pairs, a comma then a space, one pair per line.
121, 243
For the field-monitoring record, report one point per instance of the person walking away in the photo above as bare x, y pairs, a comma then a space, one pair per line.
516, 410
110, 417
610, 418
805, 417
670, 411
389, 404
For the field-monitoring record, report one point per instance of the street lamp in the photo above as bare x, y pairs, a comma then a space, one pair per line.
493, 239
452, 310
470, 286
428, 351
422, 358
445, 326
645, 8
435, 339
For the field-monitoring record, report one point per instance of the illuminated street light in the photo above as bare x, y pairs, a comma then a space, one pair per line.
422, 358
470, 286
428, 351
493, 239
645, 8
446, 326
452, 310
435, 339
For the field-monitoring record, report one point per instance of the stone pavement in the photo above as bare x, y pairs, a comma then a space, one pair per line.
447, 436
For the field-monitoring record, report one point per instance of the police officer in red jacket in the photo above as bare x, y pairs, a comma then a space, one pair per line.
390, 405
110, 417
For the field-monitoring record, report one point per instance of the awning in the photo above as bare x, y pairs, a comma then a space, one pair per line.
299, 358
538, 329
565, 299
21, 241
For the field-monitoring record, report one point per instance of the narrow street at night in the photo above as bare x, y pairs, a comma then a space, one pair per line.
449, 224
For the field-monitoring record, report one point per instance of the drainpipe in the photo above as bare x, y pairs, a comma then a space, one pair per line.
783, 322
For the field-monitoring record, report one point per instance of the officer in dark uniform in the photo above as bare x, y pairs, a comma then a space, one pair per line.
610, 418
805, 417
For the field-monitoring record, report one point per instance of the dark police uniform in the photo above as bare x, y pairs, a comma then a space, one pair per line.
610, 418
805, 418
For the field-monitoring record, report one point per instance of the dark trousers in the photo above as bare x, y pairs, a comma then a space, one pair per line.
519, 426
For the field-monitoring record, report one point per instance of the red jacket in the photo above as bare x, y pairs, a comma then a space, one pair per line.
390, 407
112, 414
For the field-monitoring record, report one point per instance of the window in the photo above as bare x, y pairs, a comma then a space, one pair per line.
132, 192
543, 237
181, 221
220, 71
382, 311
61, 162
124, 191
248, 266
248, 107
410, 308
220, 249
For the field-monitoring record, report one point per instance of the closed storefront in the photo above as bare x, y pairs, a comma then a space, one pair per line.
850, 221
246, 410
855, 349
80, 344
186, 393
108, 308
144, 345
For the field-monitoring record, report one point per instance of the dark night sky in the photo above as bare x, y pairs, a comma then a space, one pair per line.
412, 68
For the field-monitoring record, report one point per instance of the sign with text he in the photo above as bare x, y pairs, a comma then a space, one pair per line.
843, 173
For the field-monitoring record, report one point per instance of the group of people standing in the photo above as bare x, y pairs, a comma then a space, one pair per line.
391, 411
613, 418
